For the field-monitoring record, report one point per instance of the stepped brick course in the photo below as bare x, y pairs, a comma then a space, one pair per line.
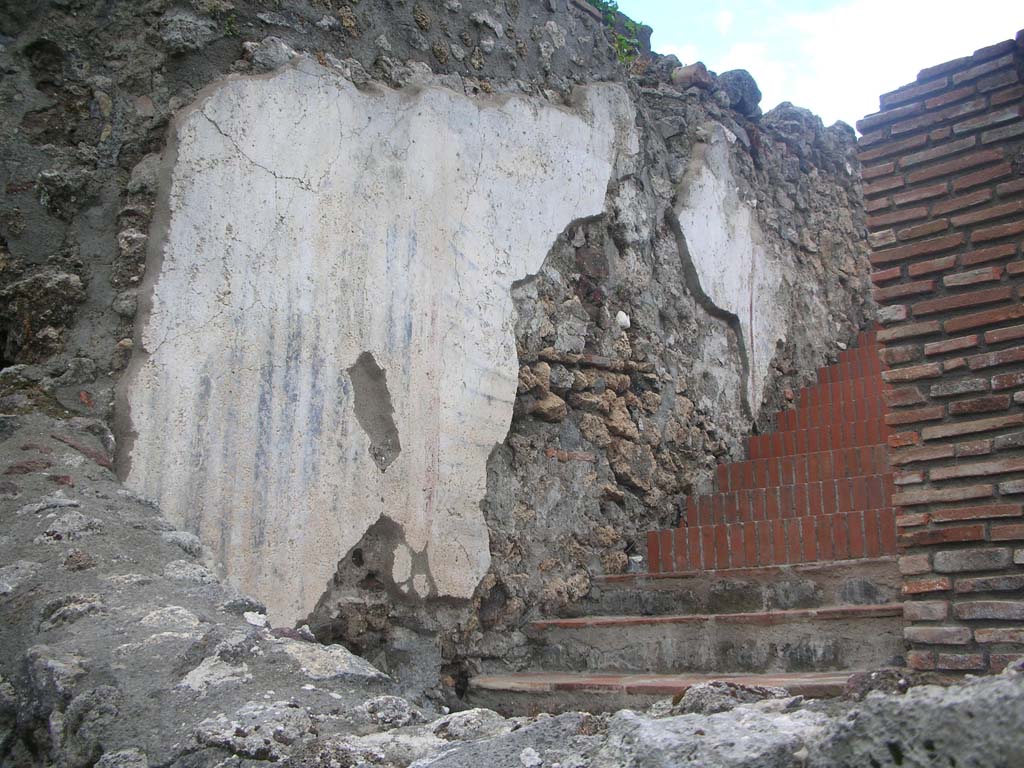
944, 182
817, 489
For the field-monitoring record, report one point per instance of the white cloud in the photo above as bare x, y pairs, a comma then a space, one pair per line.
686, 53
848, 56
723, 21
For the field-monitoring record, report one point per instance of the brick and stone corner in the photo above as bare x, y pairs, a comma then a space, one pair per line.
943, 169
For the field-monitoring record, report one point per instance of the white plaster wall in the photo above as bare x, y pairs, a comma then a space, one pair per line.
309, 221
737, 270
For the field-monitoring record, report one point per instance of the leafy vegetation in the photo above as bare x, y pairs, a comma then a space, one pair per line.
627, 46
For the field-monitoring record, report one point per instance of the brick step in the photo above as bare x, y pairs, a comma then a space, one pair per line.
529, 693
802, 468
826, 497
862, 361
827, 438
808, 539
770, 588
808, 417
851, 390
804, 640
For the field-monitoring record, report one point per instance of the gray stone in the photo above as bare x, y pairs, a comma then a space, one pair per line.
329, 662
744, 95
718, 696
978, 559
188, 542
258, 730
123, 758
184, 31
14, 575
183, 570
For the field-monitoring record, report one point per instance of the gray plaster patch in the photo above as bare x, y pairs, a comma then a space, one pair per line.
373, 409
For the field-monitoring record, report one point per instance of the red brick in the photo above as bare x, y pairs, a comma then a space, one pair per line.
913, 565
973, 277
1005, 334
997, 662
928, 453
999, 635
1010, 188
991, 359
908, 478
1002, 583
983, 69
973, 448
924, 586
1007, 380
921, 660
900, 418
888, 116
1013, 268
874, 171
980, 405
886, 275
980, 177
909, 330
653, 554
923, 230
883, 185
922, 248
954, 364
963, 201
938, 635
887, 219
988, 317
878, 204
978, 469
932, 265
998, 232
933, 117
973, 559
904, 289
925, 610
892, 148
904, 396
950, 167
982, 54
960, 661
912, 373
962, 300
1001, 134
911, 92
1010, 532
1008, 95
987, 214
990, 118
938, 495
948, 98
991, 253
947, 535
934, 153
898, 355
970, 427
997, 81
950, 345
921, 193
978, 512
999, 610
903, 439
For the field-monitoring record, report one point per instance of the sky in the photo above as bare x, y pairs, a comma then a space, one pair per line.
834, 57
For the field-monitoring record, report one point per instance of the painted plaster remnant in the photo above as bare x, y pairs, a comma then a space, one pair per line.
736, 270
306, 221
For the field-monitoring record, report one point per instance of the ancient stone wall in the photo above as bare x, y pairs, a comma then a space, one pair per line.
190, 189
944, 182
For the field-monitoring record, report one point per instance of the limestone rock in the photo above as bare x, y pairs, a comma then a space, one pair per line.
692, 75
550, 408
329, 662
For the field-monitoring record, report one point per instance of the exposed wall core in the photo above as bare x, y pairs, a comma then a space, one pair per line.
373, 409
307, 221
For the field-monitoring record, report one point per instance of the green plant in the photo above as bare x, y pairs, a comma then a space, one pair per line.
627, 46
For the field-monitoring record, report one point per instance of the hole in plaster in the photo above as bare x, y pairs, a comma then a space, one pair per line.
357, 557
374, 411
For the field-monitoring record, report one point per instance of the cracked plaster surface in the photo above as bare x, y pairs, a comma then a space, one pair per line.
304, 222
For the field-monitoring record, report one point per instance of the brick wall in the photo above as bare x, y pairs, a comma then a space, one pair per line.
944, 183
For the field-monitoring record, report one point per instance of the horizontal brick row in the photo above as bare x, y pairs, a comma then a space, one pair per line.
826, 497
846, 391
802, 468
841, 536
832, 437
808, 417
